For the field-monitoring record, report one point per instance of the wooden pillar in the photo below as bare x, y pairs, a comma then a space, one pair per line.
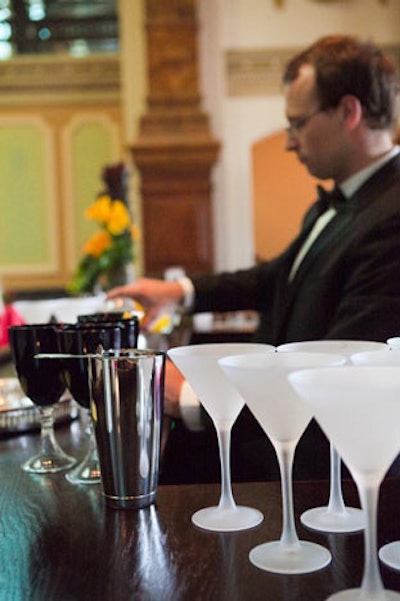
175, 150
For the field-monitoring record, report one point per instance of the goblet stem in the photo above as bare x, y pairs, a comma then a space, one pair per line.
51, 458
88, 470
336, 502
48, 439
368, 489
224, 444
285, 454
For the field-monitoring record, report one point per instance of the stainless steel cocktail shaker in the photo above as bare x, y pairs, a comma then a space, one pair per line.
127, 400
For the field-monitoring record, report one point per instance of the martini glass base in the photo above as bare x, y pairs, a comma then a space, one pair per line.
46, 463
390, 555
276, 557
357, 594
324, 520
227, 520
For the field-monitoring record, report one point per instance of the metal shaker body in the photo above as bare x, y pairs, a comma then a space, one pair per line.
127, 404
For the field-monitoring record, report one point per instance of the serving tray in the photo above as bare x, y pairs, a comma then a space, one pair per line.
19, 414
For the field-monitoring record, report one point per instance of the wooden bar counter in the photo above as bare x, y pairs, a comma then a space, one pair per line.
58, 541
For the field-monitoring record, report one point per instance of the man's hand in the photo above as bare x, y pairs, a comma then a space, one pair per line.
152, 294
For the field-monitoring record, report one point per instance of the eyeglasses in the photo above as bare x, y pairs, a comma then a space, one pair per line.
296, 124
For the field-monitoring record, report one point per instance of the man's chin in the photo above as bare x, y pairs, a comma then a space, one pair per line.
315, 172
305, 164
303, 161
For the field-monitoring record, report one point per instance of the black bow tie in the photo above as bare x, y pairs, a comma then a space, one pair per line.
333, 198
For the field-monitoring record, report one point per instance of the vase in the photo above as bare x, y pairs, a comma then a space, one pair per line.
119, 276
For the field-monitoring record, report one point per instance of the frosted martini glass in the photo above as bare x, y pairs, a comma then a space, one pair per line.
263, 382
336, 516
394, 343
198, 364
389, 554
358, 408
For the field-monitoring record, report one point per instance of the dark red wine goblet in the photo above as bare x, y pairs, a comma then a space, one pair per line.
129, 325
43, 382
76, 342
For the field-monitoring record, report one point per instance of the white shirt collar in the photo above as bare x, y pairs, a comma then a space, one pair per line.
350, 185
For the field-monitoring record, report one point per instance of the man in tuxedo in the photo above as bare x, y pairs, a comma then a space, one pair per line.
340, 278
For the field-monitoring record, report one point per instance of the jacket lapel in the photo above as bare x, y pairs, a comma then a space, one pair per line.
328, 236
371, 191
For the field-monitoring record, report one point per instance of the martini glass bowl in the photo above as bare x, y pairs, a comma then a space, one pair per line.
263, 382
358, 408
199, 365
389, 554
335, 516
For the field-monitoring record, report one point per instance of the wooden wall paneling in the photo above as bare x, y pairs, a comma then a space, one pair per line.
176, 216
175, 150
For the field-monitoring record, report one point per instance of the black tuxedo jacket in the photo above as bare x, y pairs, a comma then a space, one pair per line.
347, 286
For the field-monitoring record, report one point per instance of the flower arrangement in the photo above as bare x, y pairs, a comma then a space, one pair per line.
109, 250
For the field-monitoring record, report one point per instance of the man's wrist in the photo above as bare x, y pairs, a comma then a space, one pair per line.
188, 293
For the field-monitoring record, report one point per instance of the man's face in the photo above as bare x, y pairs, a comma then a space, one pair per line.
315, 135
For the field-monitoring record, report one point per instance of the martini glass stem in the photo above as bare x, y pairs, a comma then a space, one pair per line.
369, 493
224, 443
336, 502
285, 453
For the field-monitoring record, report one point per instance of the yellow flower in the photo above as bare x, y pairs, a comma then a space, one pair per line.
100, 210
97, 244
119, 218
112, 246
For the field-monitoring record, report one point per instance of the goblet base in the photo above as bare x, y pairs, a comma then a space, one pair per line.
358, 594
284, 559
48, 463
86, 472
325, 520
227, 520
390, 555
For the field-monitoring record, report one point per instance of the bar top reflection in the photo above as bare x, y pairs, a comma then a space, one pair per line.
59, 541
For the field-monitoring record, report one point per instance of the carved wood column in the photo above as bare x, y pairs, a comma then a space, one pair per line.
175, 150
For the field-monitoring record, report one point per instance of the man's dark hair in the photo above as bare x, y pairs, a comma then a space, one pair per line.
345, 65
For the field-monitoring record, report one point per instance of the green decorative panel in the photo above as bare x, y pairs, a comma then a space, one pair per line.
92, 150
26, 239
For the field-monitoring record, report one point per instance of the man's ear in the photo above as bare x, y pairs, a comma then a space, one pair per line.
351, 110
